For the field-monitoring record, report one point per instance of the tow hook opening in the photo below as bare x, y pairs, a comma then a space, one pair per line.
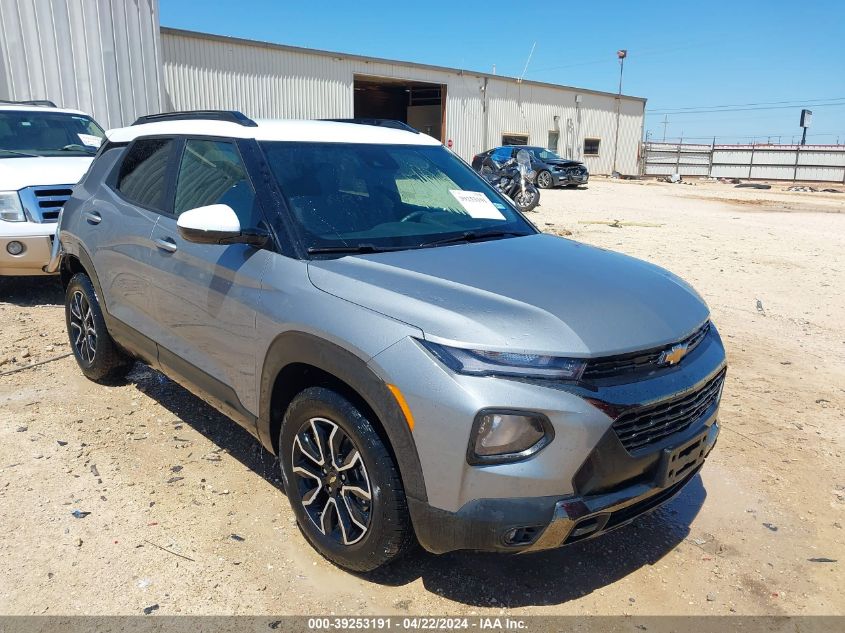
586, 527
521, 535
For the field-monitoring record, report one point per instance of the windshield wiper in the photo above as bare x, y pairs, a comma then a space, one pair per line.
473, 236
16, 153
357, 248
76, 147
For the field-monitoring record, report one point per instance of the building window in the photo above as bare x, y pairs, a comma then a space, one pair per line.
514, 139
591, 146
554, 137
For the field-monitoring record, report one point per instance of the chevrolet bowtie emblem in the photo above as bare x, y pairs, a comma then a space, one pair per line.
673, 355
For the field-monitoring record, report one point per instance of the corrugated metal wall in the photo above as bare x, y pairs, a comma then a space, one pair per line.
824, 163
265, 80
99, 56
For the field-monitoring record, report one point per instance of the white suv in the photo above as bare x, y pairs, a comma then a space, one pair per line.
44, 151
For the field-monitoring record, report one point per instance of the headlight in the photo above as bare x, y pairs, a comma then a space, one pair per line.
484, 363
11, 209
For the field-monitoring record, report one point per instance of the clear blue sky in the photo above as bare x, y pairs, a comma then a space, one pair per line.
693, 55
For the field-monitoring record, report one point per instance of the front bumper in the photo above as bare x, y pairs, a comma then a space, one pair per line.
585, 466
564, 178
31, 261
537, 524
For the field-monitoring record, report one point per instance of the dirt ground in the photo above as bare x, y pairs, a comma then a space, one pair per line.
186, 511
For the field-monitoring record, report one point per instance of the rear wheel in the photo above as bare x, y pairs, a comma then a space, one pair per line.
96, 353
342, 483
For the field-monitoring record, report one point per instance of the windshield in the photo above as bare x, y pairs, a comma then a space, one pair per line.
36, 133
545, 154
387, 196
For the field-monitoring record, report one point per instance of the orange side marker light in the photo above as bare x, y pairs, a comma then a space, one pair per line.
400, 400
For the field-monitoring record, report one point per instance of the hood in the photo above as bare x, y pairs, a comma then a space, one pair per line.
538, 293
17, 173
563, 162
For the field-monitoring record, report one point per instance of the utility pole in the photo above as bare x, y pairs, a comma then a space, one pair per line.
621, 54
665, 125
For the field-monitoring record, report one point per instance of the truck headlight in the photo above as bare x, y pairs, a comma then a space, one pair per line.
485, 363
11, 209
507, 436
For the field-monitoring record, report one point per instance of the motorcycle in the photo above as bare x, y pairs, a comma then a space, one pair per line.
515, 179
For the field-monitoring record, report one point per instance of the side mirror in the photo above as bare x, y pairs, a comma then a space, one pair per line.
217, 224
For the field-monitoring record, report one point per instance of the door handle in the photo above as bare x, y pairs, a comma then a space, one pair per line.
166, 244
93, 217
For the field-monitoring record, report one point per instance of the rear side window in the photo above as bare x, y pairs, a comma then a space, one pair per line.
143, 173
212, 172
501, 154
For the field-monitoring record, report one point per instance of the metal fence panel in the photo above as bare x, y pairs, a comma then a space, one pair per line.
824, 163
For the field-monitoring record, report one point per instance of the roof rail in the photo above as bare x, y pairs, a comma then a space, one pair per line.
32, 102
232, 116
391, 123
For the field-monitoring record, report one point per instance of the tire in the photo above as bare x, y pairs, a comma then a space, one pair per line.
96, 353
529, 200
545, 180
375, 530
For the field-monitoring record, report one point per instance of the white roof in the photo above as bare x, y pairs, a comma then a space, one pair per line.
29, 108
277, 130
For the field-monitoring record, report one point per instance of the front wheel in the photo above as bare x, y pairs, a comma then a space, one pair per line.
545, 180
96, 353
526, 200
342, 483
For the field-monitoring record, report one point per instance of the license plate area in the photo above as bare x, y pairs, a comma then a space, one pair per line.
677, 463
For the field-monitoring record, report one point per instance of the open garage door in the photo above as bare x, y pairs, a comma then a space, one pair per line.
419, 104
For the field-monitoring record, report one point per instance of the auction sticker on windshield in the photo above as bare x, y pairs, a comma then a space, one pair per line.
90, 140
477, 205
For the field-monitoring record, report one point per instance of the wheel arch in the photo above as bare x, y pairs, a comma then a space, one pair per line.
77, 260
297, 360
69, 267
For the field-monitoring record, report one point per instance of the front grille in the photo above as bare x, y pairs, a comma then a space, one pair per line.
614, 366
44, 203
647, 425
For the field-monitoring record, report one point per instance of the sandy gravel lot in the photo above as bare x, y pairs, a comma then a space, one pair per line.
168, 481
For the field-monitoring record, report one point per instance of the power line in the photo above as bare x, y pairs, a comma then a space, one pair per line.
761, 103
648, 52
783, 107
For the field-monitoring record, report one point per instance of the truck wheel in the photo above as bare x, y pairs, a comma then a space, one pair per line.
96, 353
342, 483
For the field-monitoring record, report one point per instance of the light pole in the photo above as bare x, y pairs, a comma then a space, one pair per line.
621, 54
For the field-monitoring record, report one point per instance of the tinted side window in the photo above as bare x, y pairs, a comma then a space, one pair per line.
143, 173
212, 172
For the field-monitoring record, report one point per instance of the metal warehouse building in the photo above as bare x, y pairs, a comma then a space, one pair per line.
111, 58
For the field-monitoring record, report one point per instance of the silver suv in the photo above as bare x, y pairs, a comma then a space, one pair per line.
426, 365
